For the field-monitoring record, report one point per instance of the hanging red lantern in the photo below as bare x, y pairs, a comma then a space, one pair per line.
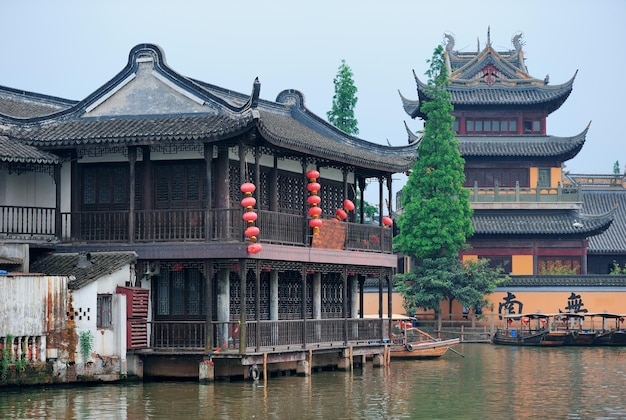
341, 214
387, 221
315, 211
248, 202
252, 231
247, 187
348, 205
312, 175
315, 223
254, 248
313, 187
249, 216
314, 200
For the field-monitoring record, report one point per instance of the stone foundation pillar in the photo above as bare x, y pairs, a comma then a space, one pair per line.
206, 371
303, 368
378, 360
344, 363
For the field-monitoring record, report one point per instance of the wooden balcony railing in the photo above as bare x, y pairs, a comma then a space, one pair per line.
191, 336
560, 194
31, 221
214, 225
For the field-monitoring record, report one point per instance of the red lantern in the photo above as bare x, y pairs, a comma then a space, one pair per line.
314, 200
315, 211
348, 205
387, 221
254, 248
315, 223
249, 216
341, 215
248, 202
312, 175
247, 187
313, 187
252, 231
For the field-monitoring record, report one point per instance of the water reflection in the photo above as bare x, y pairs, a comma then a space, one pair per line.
489, 382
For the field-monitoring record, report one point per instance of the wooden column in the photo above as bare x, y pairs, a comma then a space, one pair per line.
242, 306
58, 221
132, 165
208, 284
208, 176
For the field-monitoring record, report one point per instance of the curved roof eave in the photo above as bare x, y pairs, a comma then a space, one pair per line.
551, 96
411, 106
564, 148
324, 141
136, 55
134, 131
569, 224
12, 151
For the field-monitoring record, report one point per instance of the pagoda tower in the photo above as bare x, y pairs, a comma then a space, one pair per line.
525, 220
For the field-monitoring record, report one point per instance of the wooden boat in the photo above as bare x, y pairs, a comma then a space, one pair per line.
568, 328
608, 335
522, 330
410, 342
422, 349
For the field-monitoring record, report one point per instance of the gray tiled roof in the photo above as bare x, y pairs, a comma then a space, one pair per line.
532, 223
564, 148
286, 123
137, 130
300, 134
548, 96
21, 104
613, 240
590, 280
12, 151
65, 264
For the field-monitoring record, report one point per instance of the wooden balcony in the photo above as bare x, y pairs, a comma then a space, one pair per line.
263, 336
560, 194
184, 225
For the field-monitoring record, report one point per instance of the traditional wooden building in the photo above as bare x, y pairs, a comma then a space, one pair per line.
525, 220
159, 164
603, 193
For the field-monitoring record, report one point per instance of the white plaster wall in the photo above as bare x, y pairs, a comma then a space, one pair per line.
107, 341
34, 189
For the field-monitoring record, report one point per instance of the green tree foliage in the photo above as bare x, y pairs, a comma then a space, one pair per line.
447, 278
617, 270
616, 167
342, 113
436, 218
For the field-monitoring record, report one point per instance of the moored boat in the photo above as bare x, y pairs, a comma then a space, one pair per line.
609, 335
410, 342
568, 326
522, 330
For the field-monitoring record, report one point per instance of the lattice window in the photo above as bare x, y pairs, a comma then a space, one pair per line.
289, 295
104, 311
180, 291
104, 187
332, 296
180, 185
332, 197
290, 189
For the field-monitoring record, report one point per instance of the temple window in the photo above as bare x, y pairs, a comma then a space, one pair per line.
490, 126
532, 126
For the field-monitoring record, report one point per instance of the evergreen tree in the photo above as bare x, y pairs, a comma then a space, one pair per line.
436, 218
342, 113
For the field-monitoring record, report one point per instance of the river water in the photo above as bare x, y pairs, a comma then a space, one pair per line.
489, 382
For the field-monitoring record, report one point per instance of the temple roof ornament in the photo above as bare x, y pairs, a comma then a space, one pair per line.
490, 78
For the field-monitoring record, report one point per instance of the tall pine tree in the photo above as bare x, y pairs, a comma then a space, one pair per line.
344, 100
436, 219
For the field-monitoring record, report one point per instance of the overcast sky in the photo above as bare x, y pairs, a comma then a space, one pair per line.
70, 48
